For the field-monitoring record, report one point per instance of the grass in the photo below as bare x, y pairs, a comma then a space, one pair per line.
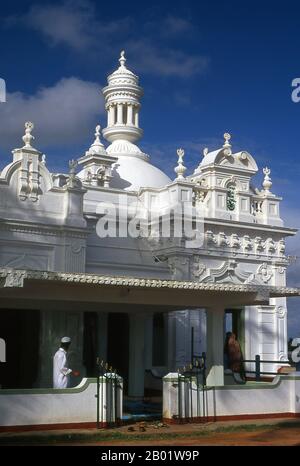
123, 436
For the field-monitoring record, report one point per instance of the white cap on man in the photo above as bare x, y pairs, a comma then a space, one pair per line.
65, 340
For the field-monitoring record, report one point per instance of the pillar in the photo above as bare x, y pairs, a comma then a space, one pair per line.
136, 117
148, 341
215, 346
136, 355
110, 116
119, 114
129, 115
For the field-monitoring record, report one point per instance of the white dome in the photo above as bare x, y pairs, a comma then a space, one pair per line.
122, 146
131, 173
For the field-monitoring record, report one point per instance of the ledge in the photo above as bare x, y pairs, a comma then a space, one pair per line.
14, 278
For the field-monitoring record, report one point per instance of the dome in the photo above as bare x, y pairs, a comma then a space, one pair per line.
132, 173
124, 147
122, 75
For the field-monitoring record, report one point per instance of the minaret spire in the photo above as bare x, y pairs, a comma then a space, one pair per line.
122, 102
122, 59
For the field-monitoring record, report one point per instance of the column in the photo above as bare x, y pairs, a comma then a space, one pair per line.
136, 355
148, 341
119, 114
171, 351
136, 117
215, 346
129, 115
110, 115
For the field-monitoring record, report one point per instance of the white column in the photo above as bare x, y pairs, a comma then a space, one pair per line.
136, 117
114, 114
119, 114
148, 341
129, 115
136, 355
215, 346
111, 116
171, 353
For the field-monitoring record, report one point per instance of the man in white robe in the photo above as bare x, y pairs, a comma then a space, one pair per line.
61, 371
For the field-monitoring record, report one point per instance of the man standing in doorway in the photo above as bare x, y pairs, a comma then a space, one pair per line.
61, 372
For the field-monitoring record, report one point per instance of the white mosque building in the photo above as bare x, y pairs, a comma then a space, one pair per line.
135, 297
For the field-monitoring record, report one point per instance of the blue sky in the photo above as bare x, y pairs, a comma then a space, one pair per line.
206, 67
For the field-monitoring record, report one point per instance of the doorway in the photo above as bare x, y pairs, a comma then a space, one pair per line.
234, 321
21, 330
118, 344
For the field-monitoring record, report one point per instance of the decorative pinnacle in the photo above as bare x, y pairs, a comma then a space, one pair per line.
28, 137
97, 146
205, 151
227, 146
180, 169
267, 183
72, 166
122, 59
97, 133
227, 138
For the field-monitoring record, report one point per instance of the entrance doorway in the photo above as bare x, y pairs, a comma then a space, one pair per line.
118, 344
234, 322
20, 329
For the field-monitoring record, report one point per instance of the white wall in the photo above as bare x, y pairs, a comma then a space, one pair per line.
279, 397
72, 405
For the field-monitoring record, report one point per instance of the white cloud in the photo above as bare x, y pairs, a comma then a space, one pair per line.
71, 23
165, 61
74, 24
63, 114
173, 25
68, 23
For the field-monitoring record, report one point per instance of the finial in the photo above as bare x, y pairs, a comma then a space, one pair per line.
180, 169
267, 183
227, 145
72, 173
227, 138
205, 151
97, 133
122, 59
72, 166
28, 137
97, 147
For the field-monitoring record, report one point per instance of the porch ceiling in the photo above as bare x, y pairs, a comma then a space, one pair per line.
26, 288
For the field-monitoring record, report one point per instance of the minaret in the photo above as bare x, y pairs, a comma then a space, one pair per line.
122, 102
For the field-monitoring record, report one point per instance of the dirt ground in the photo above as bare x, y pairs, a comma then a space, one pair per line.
268, 437
267, 432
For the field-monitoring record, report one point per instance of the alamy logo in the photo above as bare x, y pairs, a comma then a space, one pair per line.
2, 350
2, 90
182, 220
296, 91
296, 355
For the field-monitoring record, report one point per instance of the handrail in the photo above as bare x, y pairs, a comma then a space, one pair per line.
258, 361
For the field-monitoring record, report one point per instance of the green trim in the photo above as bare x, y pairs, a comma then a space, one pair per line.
247, 386
51, 391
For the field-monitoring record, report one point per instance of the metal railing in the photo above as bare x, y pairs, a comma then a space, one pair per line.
258, 362
109, 391
194, 373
